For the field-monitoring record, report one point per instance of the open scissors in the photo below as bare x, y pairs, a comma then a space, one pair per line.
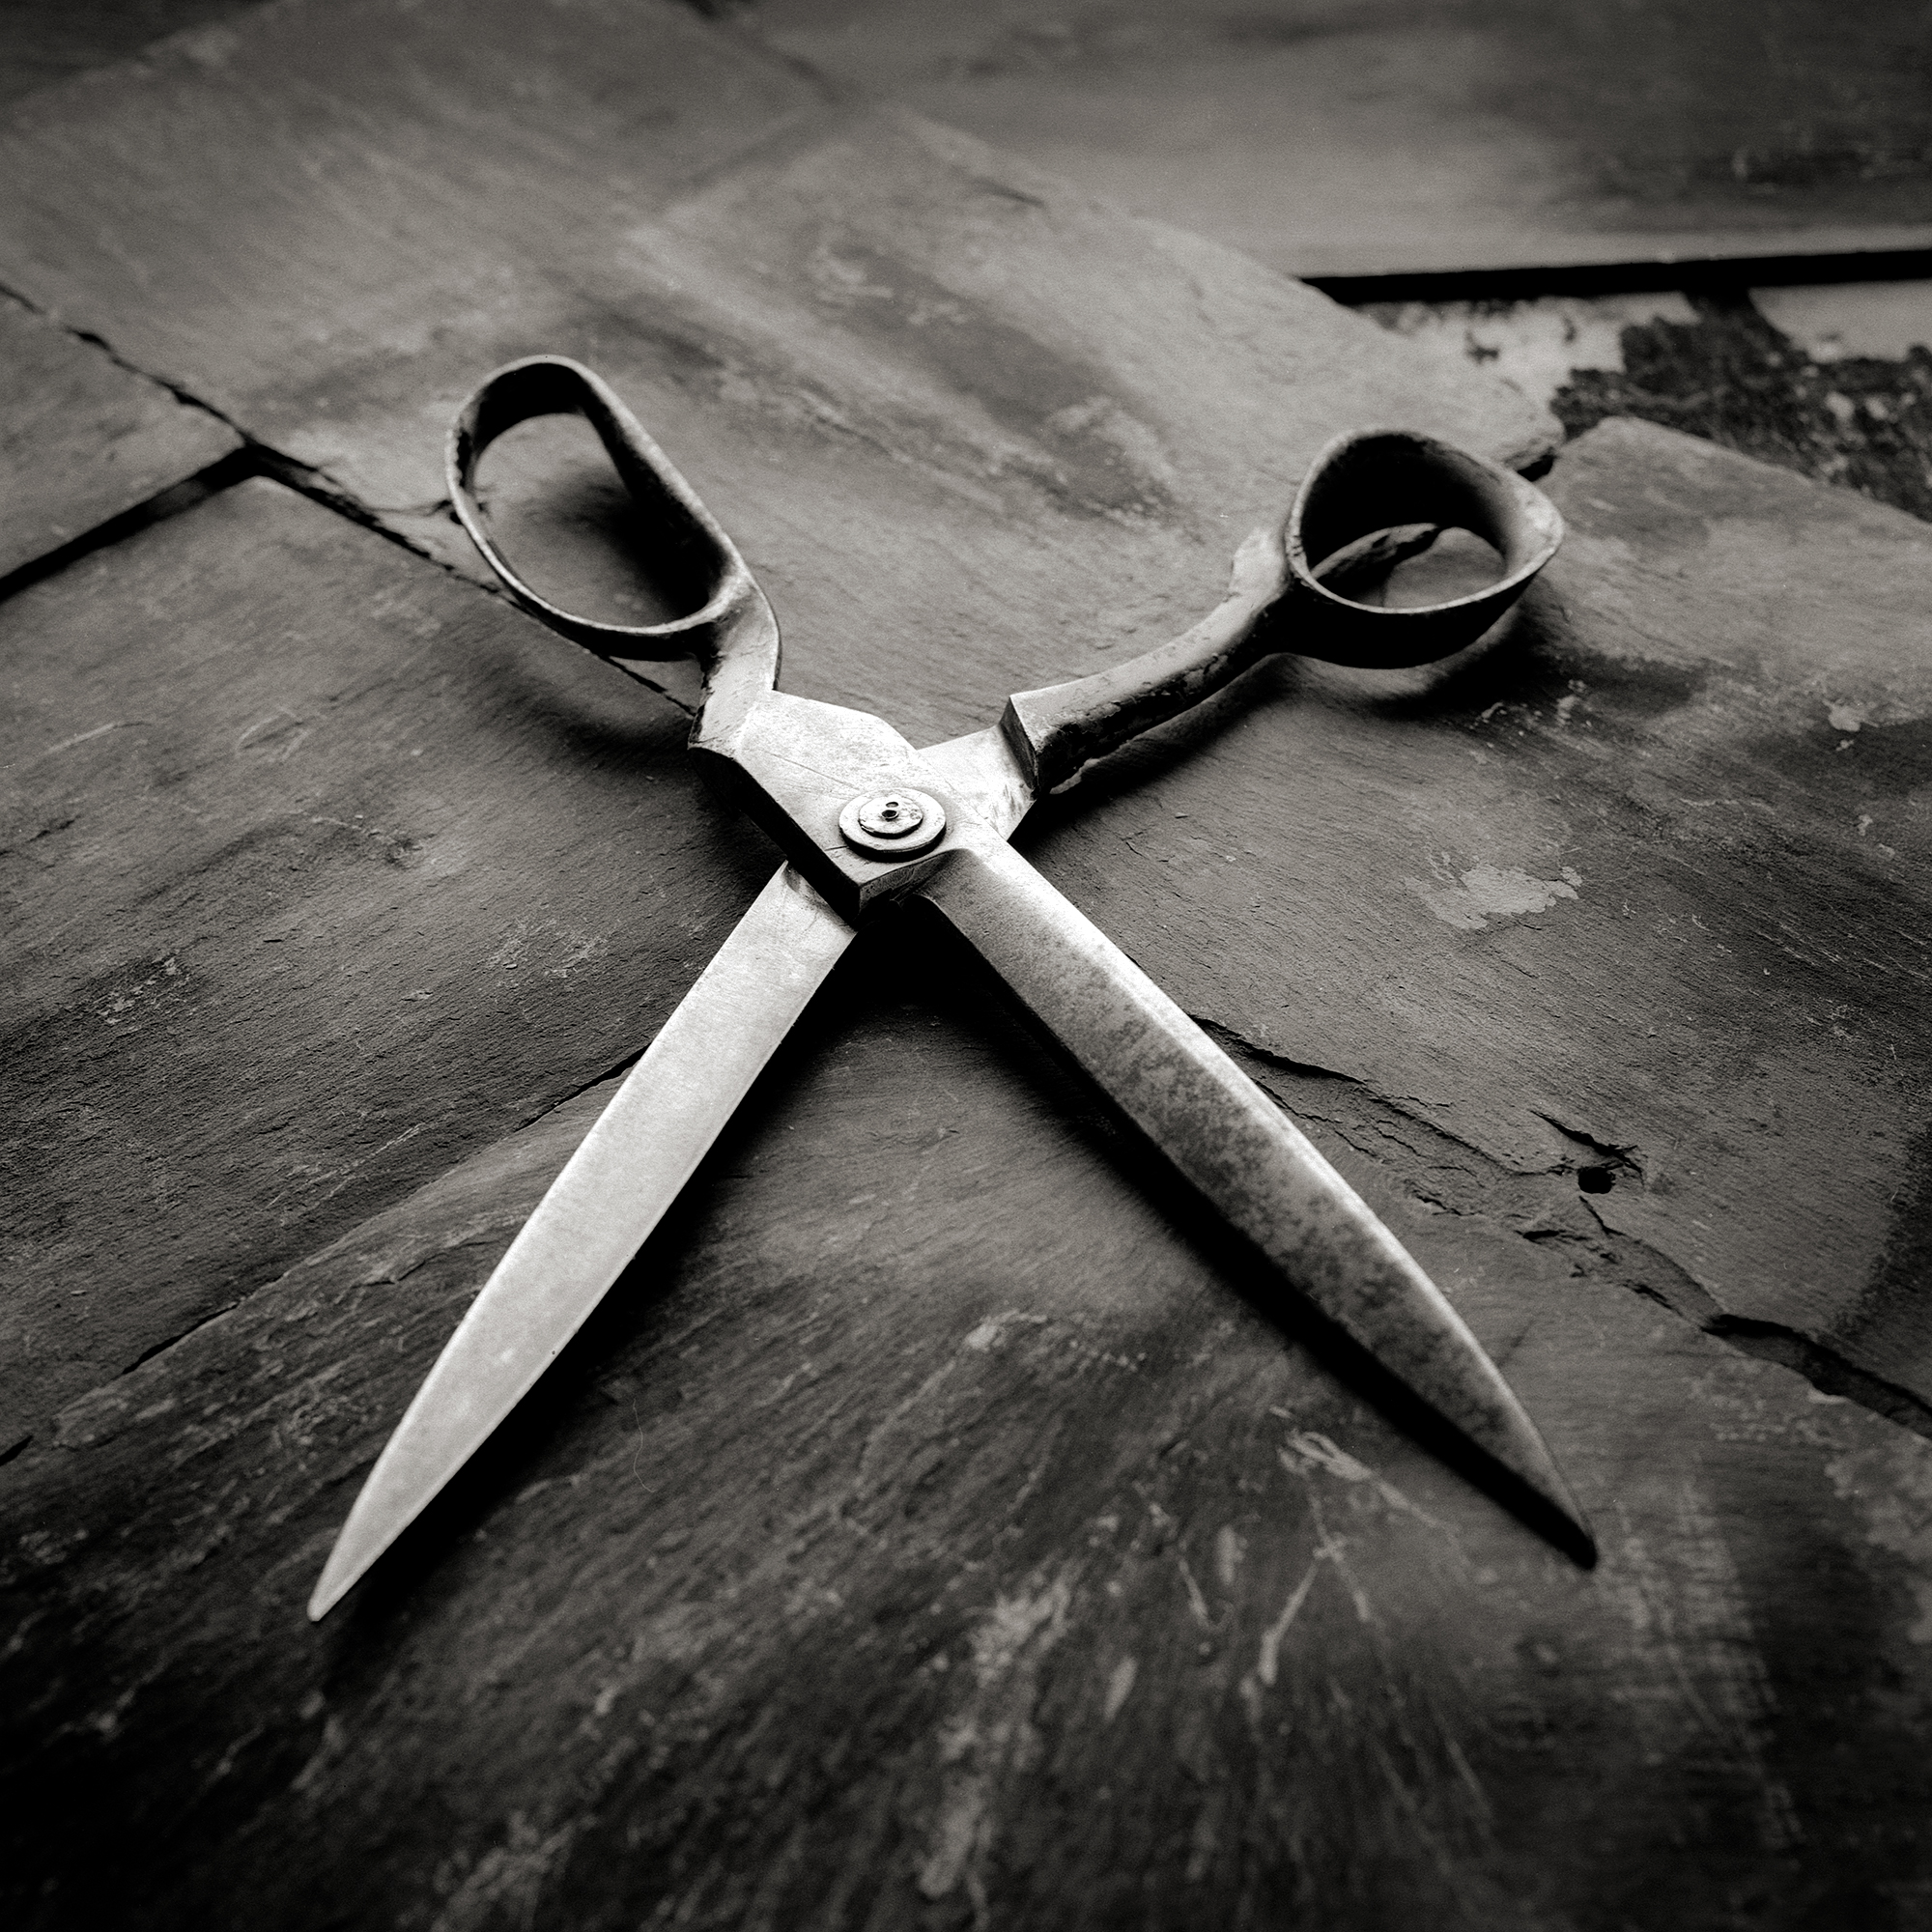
865, 819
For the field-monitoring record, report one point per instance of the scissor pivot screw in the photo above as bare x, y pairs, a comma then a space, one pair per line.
894, 825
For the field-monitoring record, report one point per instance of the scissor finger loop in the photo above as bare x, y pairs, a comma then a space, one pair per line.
1381, 479
693, 561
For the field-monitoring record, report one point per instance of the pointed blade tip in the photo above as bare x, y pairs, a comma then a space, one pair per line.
356, 1553
1582, 1539
1562, 1521
334, 1583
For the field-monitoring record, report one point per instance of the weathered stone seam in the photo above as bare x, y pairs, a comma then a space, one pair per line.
1829, 1372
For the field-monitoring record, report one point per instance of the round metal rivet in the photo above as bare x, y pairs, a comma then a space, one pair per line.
894, 824
897, 815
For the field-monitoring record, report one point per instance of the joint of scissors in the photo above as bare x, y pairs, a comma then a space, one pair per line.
797, 767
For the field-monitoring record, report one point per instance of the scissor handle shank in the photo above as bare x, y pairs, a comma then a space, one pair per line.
1374, 481
693, 561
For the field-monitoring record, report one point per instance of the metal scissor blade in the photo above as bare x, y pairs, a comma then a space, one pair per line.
1242, 1153
599, 1212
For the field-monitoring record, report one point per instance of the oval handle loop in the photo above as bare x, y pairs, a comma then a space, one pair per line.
729, 625
1378, 479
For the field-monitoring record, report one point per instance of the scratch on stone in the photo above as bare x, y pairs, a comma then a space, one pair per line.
1331, 1546
1228, 1550
507, 1881
1695, 1606
82, 737
1312, 1447
994, 1733
1891, 1481
1469, 1778
1419, 1825
1196, 1602
1267, 1661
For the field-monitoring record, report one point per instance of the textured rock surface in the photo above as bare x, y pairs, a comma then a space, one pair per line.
83, 441
934, 1529
1641, 893
1353, 137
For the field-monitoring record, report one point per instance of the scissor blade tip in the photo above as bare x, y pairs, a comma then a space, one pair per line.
1583, 1543
1557, 1515
348, 1562
330, 1591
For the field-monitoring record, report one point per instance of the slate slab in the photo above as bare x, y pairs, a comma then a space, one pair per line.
1361, 139
1638, 899
82, 439
322, 868
331, 224
931, 1534
934, 1529
897, 370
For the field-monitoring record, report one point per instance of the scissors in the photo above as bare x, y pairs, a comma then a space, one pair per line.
864, 820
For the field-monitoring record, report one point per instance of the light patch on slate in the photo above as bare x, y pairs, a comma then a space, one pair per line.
991, 1739
508, 1880
1469, 901
1890, 1480
1883, 319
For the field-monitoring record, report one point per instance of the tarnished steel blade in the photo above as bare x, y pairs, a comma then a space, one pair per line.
1240, 1152
599, 1212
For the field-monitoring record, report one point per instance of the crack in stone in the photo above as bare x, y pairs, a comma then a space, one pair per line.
236, 467
1826, 1370
1612, 1157
1829, 1372
1233, 1044
254, 458
1597, 1250
613, 1071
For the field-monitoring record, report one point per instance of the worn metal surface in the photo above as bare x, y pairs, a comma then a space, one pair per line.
616, 1187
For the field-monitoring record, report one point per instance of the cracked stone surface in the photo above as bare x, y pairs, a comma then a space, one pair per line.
807, 299
1730, 374
306, 898
1585, 880
1045, 1572
83, 441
